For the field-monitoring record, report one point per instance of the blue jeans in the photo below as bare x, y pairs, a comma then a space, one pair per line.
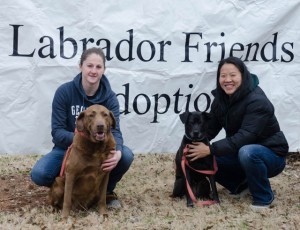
48, 168
253, 165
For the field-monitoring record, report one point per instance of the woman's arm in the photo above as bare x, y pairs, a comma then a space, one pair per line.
257, 114
61, 136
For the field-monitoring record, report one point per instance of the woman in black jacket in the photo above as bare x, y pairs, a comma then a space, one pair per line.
254, 148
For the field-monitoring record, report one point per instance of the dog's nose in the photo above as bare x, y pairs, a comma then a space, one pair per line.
100, 126
196, 133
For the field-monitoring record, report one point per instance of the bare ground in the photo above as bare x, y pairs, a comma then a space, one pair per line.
144, 192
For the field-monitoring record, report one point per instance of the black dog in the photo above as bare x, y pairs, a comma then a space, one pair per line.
195, 131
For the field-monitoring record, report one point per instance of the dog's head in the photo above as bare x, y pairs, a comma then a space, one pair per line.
96, 122
195, 125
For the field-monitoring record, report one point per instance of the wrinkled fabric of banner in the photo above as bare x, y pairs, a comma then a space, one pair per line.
161, 60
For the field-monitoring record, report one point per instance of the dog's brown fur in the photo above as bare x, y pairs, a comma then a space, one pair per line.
85, 183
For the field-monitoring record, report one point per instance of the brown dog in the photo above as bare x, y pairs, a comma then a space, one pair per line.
84, 183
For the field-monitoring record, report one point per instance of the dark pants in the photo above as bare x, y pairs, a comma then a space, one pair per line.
253, 165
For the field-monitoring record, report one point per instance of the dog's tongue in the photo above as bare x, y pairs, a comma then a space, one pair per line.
99, 136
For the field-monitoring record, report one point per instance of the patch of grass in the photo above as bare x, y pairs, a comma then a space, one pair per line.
144, 192
17, 164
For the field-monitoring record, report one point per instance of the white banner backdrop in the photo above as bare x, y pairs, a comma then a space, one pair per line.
162, 57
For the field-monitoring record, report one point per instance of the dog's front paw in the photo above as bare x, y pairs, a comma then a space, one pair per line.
190, 204
179, 188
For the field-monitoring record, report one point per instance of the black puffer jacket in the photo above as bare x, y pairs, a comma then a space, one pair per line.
248, 118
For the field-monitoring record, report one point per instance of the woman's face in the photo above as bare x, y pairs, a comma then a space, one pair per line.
230, 78
92, 69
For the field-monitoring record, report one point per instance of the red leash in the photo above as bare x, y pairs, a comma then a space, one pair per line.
185, 162
63, 166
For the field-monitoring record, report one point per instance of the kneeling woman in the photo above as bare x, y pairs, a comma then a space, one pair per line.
254, 148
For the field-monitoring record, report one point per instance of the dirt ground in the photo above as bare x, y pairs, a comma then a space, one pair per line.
144, 192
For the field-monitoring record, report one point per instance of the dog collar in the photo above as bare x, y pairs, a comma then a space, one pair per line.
187, 137
193, 140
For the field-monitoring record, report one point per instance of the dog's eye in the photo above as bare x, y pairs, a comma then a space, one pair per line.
92, 114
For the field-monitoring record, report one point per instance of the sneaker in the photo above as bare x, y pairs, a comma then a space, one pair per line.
242, 194
259, 207
112, 201
241, 191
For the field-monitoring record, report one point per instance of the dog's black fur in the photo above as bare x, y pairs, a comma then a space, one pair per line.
195, 131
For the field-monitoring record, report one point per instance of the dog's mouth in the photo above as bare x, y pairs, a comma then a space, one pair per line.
99, 136
197, 137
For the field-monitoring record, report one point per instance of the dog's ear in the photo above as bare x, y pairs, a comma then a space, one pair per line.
113, 119
79, 122
184, 116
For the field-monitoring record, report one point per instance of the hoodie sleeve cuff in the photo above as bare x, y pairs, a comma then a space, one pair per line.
212, 150
119, 147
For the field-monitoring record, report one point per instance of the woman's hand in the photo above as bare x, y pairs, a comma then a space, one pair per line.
110, 163
197, 150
